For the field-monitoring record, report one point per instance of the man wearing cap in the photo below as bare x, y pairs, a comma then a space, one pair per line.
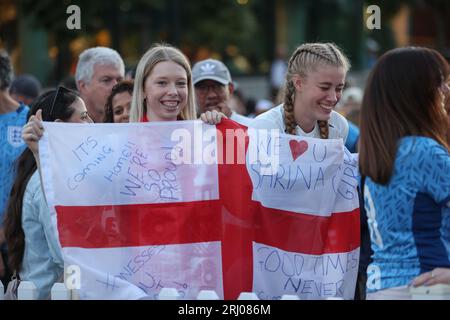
214, 88
25, 88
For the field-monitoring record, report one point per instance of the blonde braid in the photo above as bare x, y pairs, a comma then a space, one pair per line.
323, 128
289, 119
289, 95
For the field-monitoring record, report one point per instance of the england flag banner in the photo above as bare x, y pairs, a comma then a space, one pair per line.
143, 206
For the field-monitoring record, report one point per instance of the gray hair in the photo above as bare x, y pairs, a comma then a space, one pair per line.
97, 55
6, 71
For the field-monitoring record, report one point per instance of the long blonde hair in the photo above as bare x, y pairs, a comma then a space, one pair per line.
158, 53
307, 58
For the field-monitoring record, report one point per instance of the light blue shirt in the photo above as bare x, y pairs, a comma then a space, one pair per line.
352, 138
42, 260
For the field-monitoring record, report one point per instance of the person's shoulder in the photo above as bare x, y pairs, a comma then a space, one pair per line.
239, 118
352, 127
277, 110
19, 115
421, 144
339, 126
422, 149
271, 119
23, 108
338, 119
34, 185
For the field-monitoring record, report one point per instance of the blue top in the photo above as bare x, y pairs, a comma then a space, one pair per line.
11, 146
409, 218
42, 260
352, 138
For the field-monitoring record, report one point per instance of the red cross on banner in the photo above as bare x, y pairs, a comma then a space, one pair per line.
251, 236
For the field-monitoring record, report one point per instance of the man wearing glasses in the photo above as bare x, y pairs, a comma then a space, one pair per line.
214, 88
98, 70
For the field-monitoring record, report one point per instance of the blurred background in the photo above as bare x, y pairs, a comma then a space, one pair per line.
248, 35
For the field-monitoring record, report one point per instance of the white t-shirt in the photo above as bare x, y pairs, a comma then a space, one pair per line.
248, 122
274, 119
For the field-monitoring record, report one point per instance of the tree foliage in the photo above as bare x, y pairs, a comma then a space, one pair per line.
218, 23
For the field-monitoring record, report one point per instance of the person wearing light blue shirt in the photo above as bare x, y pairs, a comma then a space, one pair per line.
42, 261
31, 236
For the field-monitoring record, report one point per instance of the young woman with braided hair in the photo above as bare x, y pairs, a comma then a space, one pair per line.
314, 82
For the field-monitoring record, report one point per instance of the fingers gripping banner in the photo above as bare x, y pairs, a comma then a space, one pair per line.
139, 207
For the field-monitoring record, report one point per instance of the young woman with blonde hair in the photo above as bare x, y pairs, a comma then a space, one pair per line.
314, 82
163, 89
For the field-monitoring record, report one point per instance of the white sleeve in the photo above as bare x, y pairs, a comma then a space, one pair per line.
261, 123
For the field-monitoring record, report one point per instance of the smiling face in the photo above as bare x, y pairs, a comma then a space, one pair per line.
166, 91
317, 94
211, 95
121, 104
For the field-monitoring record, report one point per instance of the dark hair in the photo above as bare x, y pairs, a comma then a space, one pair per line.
401, 99
25, 167
26, 85
122, 86
61, 109
6, 71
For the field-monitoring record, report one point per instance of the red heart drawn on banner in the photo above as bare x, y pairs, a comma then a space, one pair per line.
298, 148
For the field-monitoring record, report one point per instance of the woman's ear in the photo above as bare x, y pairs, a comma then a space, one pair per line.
58, 120
298, 82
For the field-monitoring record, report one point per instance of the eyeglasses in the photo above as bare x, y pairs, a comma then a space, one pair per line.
59, 90
204, 88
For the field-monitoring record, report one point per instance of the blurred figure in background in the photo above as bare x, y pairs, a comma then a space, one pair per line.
69, 83
278, 71
350, 102
263, 105
13, 115
98, 70
349, 107
237, 101
250, 105
25, 88
117, 109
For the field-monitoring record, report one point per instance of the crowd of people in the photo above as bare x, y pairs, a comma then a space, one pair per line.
399, 125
